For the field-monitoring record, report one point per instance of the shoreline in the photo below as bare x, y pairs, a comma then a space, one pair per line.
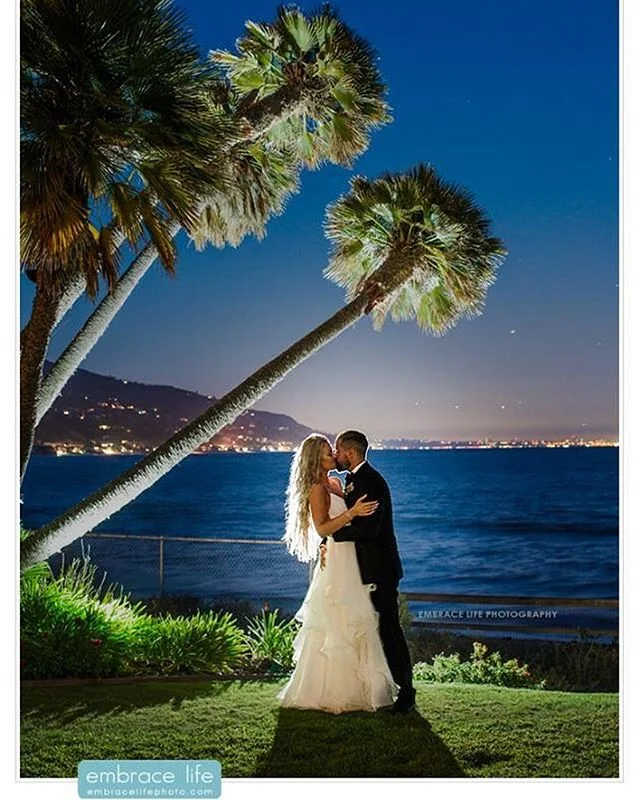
609, 446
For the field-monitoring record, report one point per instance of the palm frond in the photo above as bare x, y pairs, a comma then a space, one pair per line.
416, 226
260, 180
113, 93
309, 83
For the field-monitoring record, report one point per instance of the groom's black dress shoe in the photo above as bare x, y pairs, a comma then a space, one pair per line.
405, 703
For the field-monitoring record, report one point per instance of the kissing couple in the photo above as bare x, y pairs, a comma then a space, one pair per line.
350, 653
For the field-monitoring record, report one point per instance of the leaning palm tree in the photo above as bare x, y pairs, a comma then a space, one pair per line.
118, 133
304, 90
409, 246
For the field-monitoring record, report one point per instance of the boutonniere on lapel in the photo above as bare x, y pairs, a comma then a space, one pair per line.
348, 488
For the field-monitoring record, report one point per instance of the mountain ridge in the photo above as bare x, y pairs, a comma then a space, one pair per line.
98, 413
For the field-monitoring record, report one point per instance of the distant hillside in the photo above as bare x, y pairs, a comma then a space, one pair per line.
98, 412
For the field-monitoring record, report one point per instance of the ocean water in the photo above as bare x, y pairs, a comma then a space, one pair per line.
526, 522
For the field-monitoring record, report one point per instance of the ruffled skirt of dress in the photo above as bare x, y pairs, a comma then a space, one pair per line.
340, 663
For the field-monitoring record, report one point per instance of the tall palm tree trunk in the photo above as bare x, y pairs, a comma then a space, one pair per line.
73, 290
99, 506
95, 326
47, 312
34, 342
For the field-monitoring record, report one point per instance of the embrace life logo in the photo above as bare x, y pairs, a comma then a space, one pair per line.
130, 778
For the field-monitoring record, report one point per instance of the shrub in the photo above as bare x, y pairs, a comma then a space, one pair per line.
271, 639
481, 668
204, 642
587, 665
71, 627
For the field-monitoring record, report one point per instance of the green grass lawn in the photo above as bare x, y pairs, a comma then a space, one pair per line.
458, 730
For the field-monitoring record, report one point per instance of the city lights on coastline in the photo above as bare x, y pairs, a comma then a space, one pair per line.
247, 445
115, 419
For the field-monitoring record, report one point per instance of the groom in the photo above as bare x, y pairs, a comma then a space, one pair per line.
377, 554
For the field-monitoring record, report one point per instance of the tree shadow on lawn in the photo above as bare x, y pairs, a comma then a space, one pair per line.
64, 704
313, 744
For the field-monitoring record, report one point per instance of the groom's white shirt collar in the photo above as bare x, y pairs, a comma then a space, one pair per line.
356, 468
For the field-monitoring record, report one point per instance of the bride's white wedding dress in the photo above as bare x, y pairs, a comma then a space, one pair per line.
340, 663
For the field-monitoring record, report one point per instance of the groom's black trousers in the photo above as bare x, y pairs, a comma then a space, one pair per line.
385, 602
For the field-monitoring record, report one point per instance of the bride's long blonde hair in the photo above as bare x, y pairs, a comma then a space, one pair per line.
306, 469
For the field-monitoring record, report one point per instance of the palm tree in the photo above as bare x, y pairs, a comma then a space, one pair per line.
406, 245
116, 119
118, 133
311, 83
306, 90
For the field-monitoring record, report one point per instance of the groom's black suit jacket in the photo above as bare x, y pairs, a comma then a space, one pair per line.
375, 541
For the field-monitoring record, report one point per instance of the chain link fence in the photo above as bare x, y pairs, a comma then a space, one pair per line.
251, 574
219, 571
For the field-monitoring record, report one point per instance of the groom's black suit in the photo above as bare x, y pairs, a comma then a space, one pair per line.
379, 562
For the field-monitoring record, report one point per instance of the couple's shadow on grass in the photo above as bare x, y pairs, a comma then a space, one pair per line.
313, 744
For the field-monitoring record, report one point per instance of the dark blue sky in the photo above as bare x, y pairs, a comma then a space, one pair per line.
518, 101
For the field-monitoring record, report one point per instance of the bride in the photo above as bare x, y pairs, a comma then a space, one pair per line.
340, 663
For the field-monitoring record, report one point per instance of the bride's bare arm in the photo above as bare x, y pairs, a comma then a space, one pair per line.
325, 525
319, 501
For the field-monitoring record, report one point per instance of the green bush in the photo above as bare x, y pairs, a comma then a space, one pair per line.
481, 668
71, 627
203, 642
586, 665
271, 640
